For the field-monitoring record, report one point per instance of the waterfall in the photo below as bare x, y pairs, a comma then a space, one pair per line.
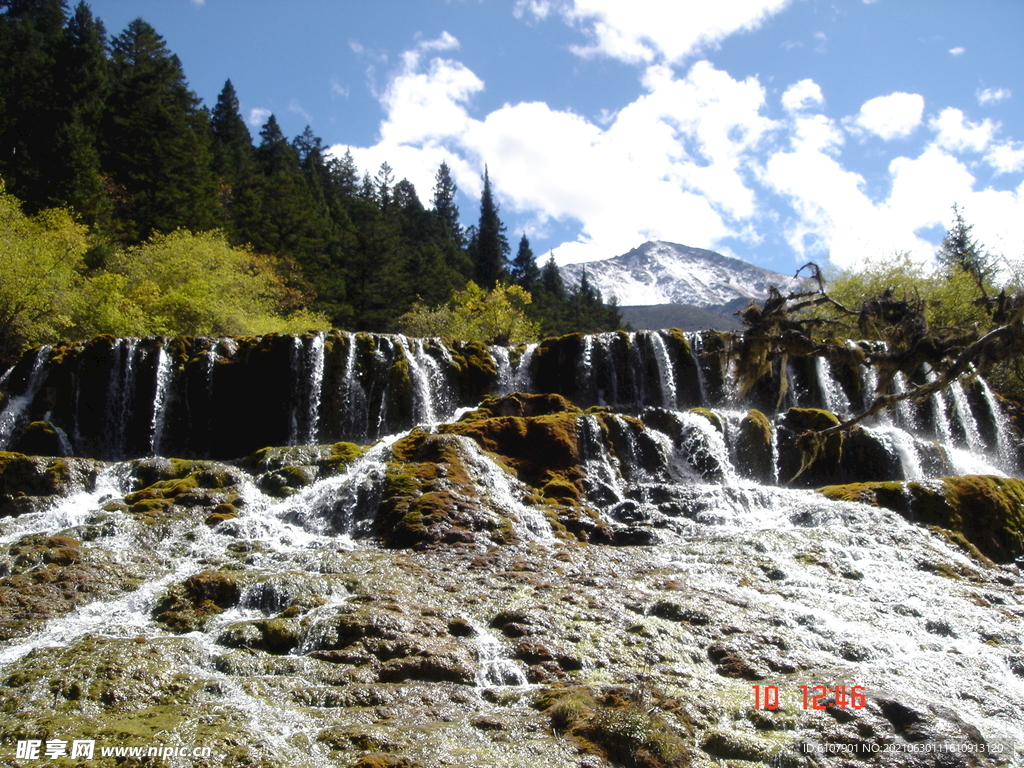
666, 375
966, 418
11, 416
1005, 447
506, 381
307, 365
496, 668
904, 408
161, 396
696, 342
832, 393
522, 381
423, 376
315, 377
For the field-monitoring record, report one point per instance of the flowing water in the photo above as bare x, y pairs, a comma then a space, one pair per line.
840, 592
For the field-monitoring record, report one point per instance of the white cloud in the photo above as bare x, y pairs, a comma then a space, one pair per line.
644, 31
955, 133
1007, 157
803, 95
890, 117
446, 42
989, 96
694, 159
258, 116
958, 51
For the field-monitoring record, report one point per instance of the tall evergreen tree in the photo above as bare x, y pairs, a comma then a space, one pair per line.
32, 111
551, 278
446, 211
83, 74
232, 142
525, 272
962, 252
284, 219
157, 140
489, 249
449, 233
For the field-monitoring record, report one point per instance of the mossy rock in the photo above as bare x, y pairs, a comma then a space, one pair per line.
754, 451
188, 606
535, 435
711, 416
27, 483
430, 498
986, 511
807, 460
40, 438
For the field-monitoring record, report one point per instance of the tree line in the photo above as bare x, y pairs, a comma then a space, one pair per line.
109, 130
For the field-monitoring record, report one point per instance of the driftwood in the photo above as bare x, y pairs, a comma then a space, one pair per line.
807, 321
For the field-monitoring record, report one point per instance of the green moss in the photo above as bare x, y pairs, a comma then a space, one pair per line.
983, 511
342, 456
711, 416
754, 447
625, 727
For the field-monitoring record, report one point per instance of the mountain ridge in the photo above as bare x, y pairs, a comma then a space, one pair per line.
660, 272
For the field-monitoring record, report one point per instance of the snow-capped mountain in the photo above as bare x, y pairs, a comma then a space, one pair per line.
668, 273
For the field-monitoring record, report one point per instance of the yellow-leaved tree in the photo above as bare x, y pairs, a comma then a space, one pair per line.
497, 316
41, 265
196, 284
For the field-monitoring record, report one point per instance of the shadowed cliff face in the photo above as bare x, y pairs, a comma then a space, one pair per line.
597, 574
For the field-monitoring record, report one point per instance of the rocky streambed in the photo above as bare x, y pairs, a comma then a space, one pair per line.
529, 586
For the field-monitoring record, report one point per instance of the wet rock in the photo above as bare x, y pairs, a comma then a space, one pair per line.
805, 462
754, 450
986, 512
39, 439
729, 663
430, 497
444, 664
29, 483
188, 606
733, 745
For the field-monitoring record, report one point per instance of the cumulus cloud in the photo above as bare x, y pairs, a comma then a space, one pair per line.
695, 159
957, 134
890, 117
958, 51
989, 96
803, 95
644, 31
1007, 157
258, 116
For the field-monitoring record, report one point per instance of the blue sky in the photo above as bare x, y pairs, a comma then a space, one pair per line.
778, 131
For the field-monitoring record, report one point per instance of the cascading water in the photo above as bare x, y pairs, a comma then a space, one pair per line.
12, 415
506, 381
268, 613
161, 397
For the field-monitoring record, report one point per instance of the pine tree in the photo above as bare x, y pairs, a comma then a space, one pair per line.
284, 220
83, 74
32, 111
382, 184
232, 142
961, 252
525, 272
157, 140
449, 235
551, 278
489, 250
446, 211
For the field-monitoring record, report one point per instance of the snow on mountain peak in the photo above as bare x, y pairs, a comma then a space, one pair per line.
658, 272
